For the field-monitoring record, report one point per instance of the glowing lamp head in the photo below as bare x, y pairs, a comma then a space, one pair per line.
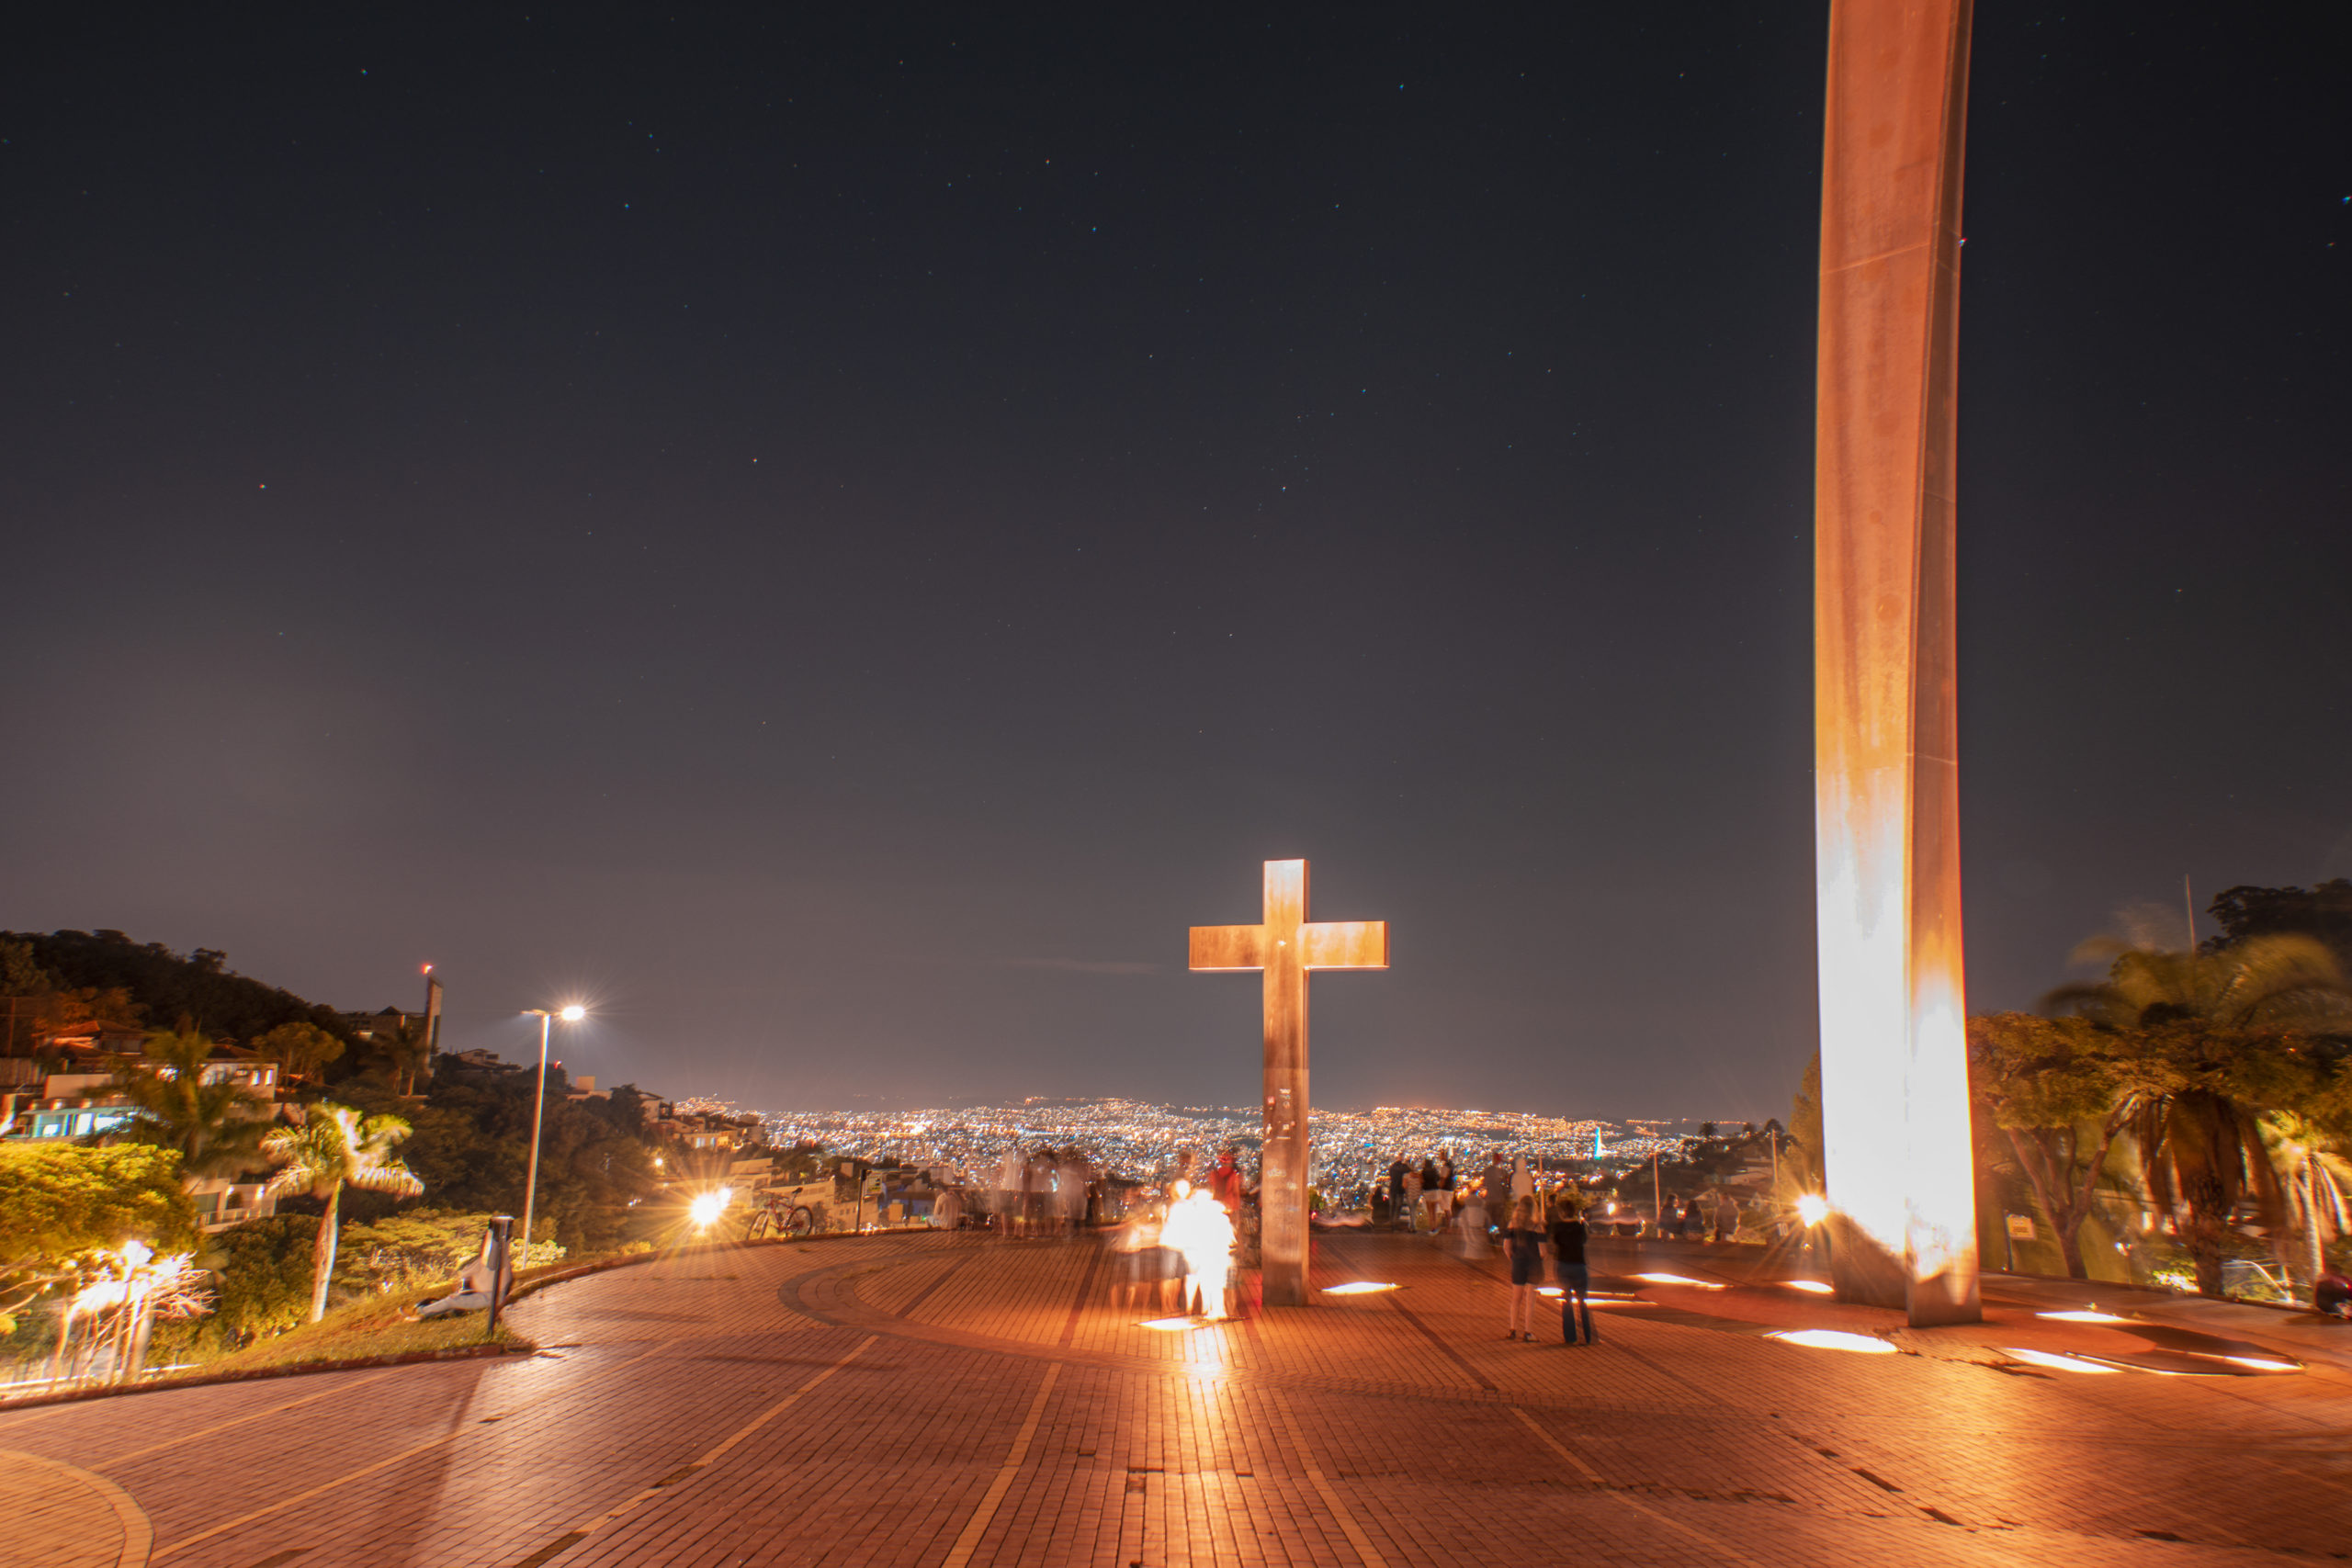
707, 1208
573, 1013
1812, 1208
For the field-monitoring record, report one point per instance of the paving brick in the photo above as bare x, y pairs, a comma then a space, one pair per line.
858, 1402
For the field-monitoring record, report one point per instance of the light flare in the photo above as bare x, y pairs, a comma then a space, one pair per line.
2057, 1362
1834, 1339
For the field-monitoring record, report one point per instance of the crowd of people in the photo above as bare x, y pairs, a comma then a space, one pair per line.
1431, 1194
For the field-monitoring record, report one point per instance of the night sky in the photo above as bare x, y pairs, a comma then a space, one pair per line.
836, 537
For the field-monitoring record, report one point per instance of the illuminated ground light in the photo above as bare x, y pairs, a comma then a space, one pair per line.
1811, 1287
2258, 1364
1617, 1301
1547, 1291
1812, 1208
1832, 1340
1679, 1280
1170, 1324
707, 1208
1358, 1288
2087, 1315
2056, 1362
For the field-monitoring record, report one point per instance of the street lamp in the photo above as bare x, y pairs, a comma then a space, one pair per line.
538, 1107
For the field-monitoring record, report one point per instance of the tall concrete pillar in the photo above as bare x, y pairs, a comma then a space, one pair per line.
1894, 1067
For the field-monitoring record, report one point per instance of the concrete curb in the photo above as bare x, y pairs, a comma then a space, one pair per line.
408, 1358
257, 1374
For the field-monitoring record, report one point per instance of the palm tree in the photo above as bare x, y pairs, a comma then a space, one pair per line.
333, 1147
216, 1127
2216, 1035
2315, 1174
410, 1051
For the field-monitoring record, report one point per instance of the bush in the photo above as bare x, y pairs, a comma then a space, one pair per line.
411, 1248
263, 1268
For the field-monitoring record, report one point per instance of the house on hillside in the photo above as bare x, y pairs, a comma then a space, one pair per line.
84, 1100
382, 1024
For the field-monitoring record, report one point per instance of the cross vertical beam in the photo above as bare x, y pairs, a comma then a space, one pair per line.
1288, 946
1894, 1067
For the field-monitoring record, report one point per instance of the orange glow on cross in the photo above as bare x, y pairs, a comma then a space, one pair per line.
1287, 947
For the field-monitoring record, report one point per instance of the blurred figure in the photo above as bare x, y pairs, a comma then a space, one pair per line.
1198, 1227
947, 1209
1570, 1270
1073, 1174
1036, 1191
475, 1283
1727, 1217
1009, 1188
1397, 1206
1411, 1215
1524, 1243
2332, 1294
1522, 1180
1136, 1242
1225, 1183
1495, 1188
1434, 1195
1380, 1208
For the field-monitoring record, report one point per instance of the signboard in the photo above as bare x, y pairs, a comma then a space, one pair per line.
2021, 1227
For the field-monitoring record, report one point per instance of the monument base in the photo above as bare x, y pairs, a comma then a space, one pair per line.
1867, 1274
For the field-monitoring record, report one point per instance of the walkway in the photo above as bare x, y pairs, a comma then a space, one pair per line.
955, 1402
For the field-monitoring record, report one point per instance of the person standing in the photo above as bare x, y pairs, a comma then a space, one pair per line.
1523, 1244
1495, 1188
1225, 1183
1199, 1228
1397, 1170
1569, 1270
1433, 1184
1416, 1184
1522, 1180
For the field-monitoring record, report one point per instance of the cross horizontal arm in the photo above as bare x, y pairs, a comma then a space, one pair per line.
1229, 947
1344, 944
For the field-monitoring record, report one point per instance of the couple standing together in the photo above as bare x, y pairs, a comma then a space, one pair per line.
1525, 1238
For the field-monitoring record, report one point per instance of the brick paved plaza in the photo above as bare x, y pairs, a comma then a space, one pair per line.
959, 1401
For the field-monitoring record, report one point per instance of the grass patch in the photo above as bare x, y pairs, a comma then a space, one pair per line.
356, 1330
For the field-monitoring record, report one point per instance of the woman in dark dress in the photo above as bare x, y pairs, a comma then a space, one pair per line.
1568, 1267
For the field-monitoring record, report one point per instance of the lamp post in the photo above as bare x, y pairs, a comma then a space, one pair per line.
539, 1107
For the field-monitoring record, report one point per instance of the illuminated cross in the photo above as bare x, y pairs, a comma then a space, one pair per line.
1287, 946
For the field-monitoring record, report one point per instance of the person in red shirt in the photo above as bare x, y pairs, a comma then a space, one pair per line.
1224, 1184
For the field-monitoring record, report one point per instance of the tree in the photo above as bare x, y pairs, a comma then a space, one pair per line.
1803, 1155
2216, 1033
152, 977
263, 1269
62, 1208
332, 1148
2315, 1174
303, 1049
2323, 912
216, 1127
408, 1052
2062, 1090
